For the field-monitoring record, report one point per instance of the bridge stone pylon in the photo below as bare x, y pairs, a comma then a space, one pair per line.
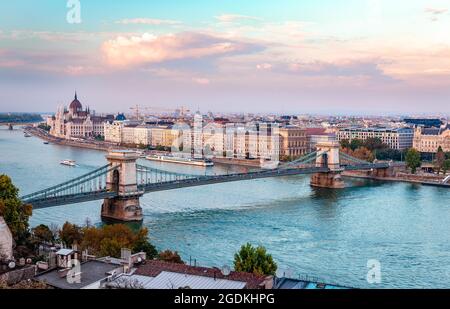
328, 156
124, 207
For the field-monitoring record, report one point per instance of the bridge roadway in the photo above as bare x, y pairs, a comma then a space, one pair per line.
80, 197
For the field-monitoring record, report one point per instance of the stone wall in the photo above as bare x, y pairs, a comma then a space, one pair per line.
18, 275
6, 241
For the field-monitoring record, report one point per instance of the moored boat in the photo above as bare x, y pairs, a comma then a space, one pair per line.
68, 162
179, 160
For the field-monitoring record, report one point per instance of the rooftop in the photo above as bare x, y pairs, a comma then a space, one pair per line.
377, 129
65, 252
172, 280
154, 268
91, 271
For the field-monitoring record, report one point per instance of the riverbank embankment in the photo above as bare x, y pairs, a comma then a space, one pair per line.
423, 179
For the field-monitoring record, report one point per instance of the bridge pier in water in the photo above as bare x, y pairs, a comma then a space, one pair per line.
125, 207
328, 156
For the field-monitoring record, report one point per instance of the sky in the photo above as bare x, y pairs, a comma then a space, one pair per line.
285, 56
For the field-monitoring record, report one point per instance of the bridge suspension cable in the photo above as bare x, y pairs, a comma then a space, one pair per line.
346, 157
308, 158
89, 184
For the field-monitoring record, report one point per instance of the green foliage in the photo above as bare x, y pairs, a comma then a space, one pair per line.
110, 239
19, 117
161, 148
141, 244
170, 257
345, 143
390, 154
254, 260
42, 233
100, 138
446, 166
15, 213
355, 144
44, 127
413, 160
374, 144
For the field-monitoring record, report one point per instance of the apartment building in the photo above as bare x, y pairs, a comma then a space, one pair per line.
395, 138
293, 142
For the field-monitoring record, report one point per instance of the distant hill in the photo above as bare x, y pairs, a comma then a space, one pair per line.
19, 117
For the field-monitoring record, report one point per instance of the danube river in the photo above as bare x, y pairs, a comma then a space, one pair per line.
329, 234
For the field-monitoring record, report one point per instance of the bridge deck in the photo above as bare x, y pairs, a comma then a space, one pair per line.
71, 199
209, 180
92, 186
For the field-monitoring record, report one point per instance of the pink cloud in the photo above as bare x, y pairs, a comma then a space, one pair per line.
264, 66
202, 81
134, 50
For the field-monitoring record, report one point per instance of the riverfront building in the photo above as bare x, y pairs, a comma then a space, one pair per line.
318, 135
428, 140
395, 138
293, 142
76, 122
125, 132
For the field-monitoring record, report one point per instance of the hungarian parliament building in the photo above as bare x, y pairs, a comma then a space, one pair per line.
75, 122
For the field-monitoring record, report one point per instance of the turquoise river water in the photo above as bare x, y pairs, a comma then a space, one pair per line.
329, 234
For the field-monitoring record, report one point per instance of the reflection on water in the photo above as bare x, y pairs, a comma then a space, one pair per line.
321, 232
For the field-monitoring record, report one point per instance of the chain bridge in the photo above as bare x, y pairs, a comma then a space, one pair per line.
122, 181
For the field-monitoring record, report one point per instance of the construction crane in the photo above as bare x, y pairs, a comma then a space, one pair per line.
148, 110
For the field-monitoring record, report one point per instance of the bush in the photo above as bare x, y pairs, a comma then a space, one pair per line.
413, 160
170, 257
254, 260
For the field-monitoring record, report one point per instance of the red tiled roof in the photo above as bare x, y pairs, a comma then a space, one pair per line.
315, 131
153, 268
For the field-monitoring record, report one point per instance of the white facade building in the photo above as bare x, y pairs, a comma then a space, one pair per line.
395, 138
76, 122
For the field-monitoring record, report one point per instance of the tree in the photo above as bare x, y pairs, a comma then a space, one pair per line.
141, 244
363, 153
70, 234
446, 166
345, 143
170, 257
355, 144
413, 160
374, 144
389, 154
254, 260
44, 127
42, 233
15, 213
110, 239
440, 159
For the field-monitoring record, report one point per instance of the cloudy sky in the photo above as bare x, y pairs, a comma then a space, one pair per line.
321, 56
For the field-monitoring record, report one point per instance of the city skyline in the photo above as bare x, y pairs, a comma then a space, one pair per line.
358, 57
